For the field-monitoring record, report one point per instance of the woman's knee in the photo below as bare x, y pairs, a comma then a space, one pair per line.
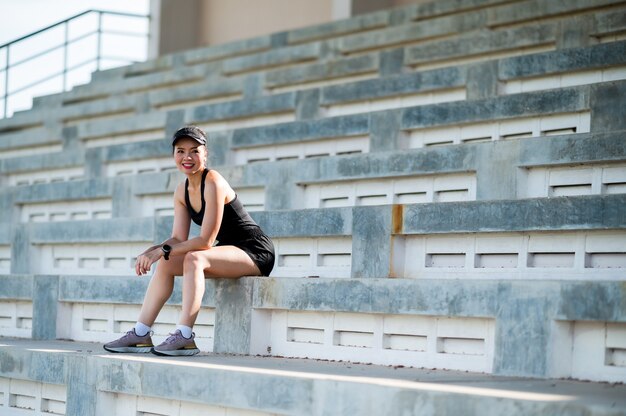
194, 260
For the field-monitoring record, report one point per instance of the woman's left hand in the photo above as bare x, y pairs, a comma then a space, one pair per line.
146, 260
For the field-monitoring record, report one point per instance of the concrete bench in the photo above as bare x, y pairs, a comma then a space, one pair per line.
519, 327
344, 27
27, 170
443, 18
139, 127
108, 246
20, 120
574, 66
339, 319
246, 112
581, 164
109, 107
410, 240
36, 140
332, 71
109, 87
513, 116
73, 378
94, 308
190, 57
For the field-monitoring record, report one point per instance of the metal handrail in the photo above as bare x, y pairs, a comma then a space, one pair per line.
99, 32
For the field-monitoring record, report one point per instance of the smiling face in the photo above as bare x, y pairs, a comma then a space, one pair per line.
189, 155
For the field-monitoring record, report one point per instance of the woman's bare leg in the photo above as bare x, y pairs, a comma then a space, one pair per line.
160, 288
220, 261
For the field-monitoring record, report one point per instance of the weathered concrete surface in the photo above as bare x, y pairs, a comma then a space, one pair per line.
296, 386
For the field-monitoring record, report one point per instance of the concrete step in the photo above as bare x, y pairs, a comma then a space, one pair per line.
77, 378
548, 165
528, 328
350, 234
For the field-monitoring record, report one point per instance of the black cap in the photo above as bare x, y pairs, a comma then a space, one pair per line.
192, 132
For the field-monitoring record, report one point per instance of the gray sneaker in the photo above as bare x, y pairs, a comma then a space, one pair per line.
131, 342
176, 344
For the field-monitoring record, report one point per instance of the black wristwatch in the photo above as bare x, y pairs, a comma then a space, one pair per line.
167, 249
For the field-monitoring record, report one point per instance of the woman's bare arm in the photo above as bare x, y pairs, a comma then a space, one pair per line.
180, 232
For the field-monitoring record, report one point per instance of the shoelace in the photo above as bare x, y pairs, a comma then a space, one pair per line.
171, 338
132, 332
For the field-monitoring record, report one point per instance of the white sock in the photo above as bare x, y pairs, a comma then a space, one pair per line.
141, 329
185, 330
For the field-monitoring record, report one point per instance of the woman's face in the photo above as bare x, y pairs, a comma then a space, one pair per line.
189, 155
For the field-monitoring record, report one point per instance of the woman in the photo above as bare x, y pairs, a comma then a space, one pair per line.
230, 244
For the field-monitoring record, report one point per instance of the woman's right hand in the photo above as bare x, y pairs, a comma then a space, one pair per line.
147, 259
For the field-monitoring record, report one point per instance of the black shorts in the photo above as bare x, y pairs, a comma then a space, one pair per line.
260, 249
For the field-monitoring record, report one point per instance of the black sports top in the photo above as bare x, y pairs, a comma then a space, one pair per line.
237, 229
196, 216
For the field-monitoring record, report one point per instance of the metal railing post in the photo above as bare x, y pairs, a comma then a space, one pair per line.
99, 41
65, 53
6, 84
